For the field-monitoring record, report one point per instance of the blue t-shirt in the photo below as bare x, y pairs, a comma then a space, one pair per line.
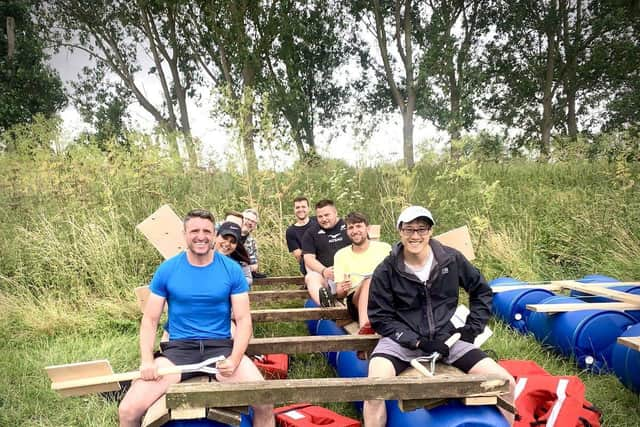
199, 298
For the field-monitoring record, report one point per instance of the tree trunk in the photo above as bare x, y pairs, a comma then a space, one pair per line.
246, 128
547, 99
407, 136
11, 38
454, 121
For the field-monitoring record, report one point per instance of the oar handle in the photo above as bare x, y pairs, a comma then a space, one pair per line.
420, 368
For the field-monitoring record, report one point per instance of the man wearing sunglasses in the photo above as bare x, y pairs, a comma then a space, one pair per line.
412, 298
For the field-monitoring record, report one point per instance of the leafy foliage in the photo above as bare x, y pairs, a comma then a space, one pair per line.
28, 86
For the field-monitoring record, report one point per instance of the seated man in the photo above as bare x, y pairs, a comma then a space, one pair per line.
201, 288
319, 244
296, 231
412, 297
354, 266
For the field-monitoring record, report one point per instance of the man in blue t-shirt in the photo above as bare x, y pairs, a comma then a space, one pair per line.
201, 287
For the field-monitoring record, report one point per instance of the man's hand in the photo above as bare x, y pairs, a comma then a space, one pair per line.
465, 334
149, 371
327, 273
227, 367
430, 346
343, 288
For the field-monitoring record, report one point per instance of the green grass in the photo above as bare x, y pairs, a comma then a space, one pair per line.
70, 255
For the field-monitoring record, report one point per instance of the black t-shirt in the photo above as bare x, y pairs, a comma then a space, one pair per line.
295, 232
325, 243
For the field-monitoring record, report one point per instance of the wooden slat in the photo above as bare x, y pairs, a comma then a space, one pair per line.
164, 230
281, 280
295, 314
279, 295
631, 342
602, 291
441, 369
552, 288
480, 400
143, 292
224, 416
188, 413
79, 371
561, 308
312, 344
459, 239
321, 390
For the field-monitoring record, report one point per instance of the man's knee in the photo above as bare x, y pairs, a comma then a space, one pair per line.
129, 412
488, 366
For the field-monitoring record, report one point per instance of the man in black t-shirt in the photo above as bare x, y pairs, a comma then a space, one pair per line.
319, 244
296, 231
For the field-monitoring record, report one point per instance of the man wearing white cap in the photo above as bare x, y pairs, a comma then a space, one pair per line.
412, 298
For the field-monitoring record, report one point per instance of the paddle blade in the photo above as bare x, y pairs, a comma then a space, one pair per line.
76, 371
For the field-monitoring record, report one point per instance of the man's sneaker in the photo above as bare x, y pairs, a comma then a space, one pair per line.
326, 298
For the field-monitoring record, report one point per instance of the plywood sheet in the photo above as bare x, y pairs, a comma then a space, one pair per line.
163, 229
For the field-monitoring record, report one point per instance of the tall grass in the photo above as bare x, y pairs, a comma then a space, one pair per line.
70, 255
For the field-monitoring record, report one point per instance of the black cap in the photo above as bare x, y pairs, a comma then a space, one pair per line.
229, 228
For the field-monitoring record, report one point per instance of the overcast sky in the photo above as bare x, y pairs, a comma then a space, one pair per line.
386, 143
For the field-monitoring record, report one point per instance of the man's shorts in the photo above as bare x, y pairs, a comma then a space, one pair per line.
462, 355
351, 307
187, 352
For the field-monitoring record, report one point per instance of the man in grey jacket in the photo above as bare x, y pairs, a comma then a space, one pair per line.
412, 298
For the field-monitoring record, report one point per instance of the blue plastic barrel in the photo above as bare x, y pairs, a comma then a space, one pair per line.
311, 324
246, 421
349, 366
417, 417
510, 306
626, 361
505, 281
588, 335
455, 414
329, 327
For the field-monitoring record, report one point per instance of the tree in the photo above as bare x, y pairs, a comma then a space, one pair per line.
113, 32
450, 71
28, 86
313, 41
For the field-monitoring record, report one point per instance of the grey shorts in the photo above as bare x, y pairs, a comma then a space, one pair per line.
463, 355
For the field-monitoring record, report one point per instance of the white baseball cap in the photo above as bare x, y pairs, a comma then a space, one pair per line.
414, 212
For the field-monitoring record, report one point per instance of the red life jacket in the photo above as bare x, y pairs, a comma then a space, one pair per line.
546, 400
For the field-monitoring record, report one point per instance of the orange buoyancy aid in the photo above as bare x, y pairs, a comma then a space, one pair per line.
553, 401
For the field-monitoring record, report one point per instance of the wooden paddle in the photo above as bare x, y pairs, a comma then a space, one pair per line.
78, 379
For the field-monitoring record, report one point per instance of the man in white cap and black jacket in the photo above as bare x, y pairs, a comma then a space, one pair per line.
412, 297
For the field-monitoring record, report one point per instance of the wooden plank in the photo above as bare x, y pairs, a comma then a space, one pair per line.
142, 294
79, 371
631, 342
552, 288
188, 413
441, 370
164, 230
321, 390
312, 344
295, 314
602, 291
460, 239
480, 400
281, 280
157, 415
278, 295
224, 416
374, 232
562, 308
551, 285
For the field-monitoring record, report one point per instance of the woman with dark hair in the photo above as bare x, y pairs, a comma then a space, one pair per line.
228, 243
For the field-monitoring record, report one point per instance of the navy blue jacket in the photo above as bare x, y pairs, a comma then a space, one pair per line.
404, 308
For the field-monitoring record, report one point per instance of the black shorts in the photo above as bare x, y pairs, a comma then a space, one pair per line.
351, 307
464, 363
187, 352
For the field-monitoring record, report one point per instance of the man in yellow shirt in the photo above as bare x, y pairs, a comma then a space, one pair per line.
354, 265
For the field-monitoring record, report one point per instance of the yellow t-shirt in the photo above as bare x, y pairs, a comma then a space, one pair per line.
359, 265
